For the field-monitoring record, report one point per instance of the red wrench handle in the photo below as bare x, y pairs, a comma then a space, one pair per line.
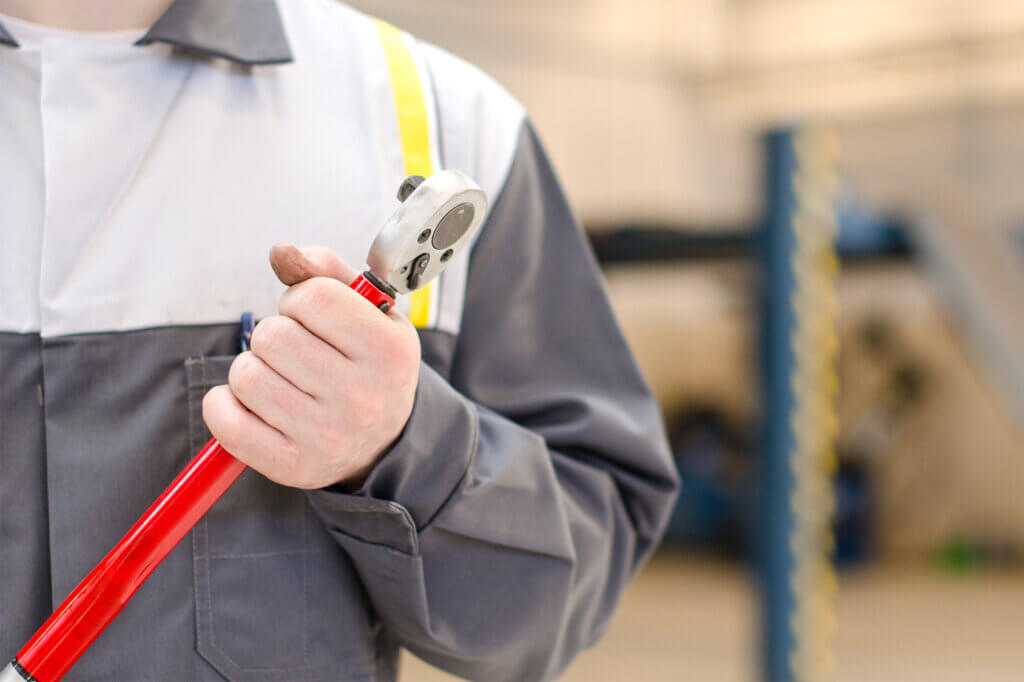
96, 601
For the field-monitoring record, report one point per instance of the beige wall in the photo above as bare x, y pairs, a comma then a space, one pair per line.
651, 109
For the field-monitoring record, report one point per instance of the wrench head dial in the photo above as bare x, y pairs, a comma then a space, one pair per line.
435, 221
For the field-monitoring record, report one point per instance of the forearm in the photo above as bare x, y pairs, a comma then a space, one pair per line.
517, 566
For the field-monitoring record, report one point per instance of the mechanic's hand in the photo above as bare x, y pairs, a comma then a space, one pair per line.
328, 385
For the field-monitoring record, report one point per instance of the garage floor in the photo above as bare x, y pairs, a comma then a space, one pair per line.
694, 620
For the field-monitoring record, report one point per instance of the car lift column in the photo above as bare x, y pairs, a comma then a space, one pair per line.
798, 352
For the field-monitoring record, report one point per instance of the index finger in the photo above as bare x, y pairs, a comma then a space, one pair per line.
336, 313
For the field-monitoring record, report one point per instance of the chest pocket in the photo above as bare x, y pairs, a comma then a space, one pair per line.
276, 599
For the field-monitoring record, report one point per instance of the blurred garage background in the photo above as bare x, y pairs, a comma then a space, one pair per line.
656, 113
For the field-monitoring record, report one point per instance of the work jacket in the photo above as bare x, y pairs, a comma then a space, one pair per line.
532, 479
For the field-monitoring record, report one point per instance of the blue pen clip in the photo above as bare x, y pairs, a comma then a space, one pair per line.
246, 337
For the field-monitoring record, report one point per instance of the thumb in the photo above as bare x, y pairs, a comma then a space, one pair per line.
293, 265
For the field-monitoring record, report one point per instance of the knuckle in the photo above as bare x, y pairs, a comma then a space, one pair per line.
401, 352
229, 434
317, 294
397, 344
210, 400
269, 333
221, 422
365, 408
328, 438
408, 351
244, 374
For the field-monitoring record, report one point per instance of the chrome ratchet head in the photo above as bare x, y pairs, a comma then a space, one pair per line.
437, 219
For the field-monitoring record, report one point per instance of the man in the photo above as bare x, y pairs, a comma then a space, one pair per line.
477, 489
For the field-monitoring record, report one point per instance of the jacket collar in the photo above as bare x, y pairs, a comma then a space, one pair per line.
243, 31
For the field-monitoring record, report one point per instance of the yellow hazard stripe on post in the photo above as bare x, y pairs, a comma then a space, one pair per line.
814, 382
413, 130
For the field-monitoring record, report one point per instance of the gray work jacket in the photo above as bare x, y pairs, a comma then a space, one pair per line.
493, 540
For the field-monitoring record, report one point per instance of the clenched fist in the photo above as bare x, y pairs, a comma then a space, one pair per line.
328, 385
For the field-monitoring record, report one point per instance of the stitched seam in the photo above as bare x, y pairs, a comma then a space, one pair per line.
263, 555
197, 555
197, 560
209, 577
305, 595
382, 545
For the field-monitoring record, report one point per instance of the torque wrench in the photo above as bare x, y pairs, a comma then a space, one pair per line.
436, 220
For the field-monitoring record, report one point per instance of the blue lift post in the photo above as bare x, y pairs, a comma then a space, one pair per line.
798, 349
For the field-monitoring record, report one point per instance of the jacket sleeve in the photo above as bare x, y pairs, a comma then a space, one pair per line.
495, 538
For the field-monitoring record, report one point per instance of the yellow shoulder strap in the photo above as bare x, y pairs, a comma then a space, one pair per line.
413, 130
